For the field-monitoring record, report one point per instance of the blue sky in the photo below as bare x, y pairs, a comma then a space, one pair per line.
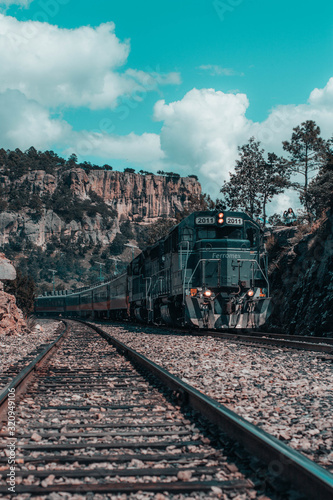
164, 85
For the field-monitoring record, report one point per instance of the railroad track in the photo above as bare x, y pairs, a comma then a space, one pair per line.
91, 422
7, 375
316, 344
322, 345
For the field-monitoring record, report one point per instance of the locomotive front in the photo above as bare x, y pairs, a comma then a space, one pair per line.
224, 269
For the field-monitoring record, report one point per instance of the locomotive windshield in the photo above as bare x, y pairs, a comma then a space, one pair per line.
252, 234
220, 233
206, 233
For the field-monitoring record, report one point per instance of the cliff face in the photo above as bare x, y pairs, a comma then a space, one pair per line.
148, 196
301, 276
131, 196
11, 317
49, 227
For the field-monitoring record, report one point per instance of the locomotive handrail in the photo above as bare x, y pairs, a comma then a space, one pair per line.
185, 267
201, 260
262, 272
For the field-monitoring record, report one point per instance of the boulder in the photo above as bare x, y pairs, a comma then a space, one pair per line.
7, 270
11, 317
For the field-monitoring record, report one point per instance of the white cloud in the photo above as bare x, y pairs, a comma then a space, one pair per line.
142, 149
23, 3
63, 67
322, 97
216, 70
151, 80
202, 131
25, 123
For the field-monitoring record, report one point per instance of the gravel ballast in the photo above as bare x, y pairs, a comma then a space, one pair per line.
288, 393
14, 348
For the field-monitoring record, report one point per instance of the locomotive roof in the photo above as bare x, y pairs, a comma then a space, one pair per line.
244, 215
191, 217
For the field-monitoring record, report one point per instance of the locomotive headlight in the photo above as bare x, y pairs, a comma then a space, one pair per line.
250, 293
220, 218
207, 293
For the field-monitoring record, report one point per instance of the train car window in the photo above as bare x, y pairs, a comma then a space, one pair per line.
252, 236
175, 241
229, 232
167, 245
86, 299
154, 253
187, 234
135, 269
207, 233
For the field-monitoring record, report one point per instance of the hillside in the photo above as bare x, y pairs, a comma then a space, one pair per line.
58, 214
301, 277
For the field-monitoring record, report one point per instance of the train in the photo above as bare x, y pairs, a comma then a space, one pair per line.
208, 272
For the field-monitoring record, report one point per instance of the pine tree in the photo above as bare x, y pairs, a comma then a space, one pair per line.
320, 190
24, 289
307, 153
255, 180
274, 179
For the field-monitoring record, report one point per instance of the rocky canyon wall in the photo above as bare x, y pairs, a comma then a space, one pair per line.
133, 197
301, 277
148, 196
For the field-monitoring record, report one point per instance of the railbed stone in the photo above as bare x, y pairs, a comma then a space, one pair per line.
287, 393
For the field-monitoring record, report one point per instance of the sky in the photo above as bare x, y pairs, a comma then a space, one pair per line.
169, 85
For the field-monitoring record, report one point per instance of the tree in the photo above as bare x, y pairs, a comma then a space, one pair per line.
72, 160
24, 290
201, 203
148, 235
307, 152
126, 229
274, 179
320, 190
255, 180
118, 245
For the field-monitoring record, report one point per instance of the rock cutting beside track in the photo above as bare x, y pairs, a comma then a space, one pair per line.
11, 317
288, 393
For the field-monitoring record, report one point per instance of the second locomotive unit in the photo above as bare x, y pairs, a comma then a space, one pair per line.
210, 271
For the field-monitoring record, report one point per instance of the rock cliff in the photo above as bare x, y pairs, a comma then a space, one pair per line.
149, 196
130, 196
301, 276
11, 317
51, 227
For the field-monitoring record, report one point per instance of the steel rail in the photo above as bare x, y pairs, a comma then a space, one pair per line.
21, 380
316, 344
282, 341
301, 338
307, 476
